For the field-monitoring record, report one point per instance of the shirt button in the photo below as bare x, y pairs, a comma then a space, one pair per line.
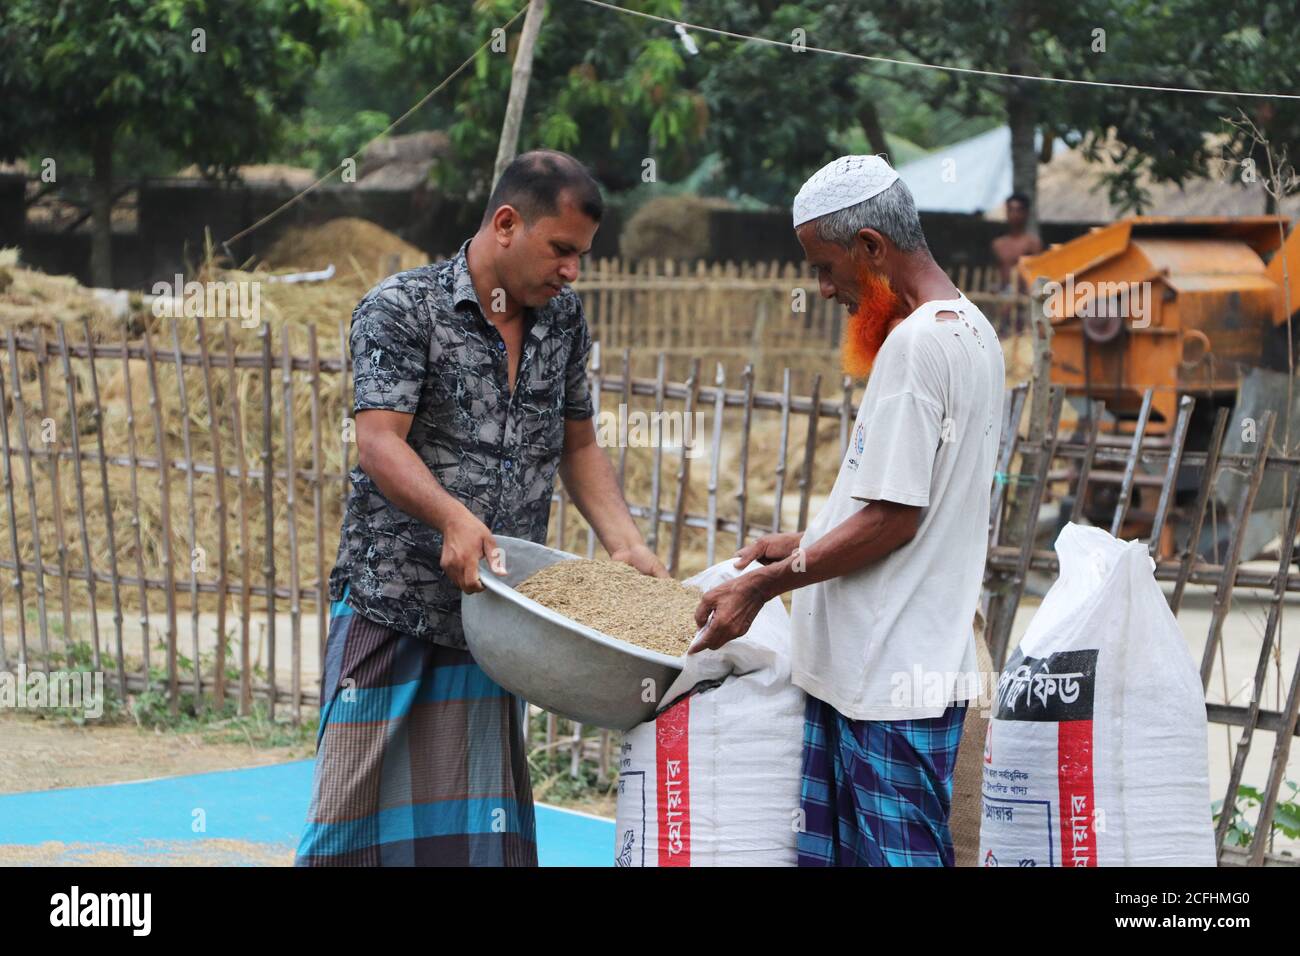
501, 345
506, 463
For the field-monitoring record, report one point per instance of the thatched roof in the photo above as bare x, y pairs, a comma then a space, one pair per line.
1070, 189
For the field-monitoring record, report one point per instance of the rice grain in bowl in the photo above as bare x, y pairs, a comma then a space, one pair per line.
619, 601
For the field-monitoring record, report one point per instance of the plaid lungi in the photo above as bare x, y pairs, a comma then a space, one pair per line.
420, 757
877, 792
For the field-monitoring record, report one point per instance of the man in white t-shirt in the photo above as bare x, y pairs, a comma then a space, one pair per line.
887, 577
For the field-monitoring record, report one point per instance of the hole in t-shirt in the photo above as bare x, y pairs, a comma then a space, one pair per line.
947, 315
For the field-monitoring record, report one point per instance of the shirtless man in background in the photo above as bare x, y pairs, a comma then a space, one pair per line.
1018, 240
1009, 248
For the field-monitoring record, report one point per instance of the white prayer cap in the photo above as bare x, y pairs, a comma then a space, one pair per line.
841, 183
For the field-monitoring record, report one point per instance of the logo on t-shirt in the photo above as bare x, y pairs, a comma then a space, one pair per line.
859, 438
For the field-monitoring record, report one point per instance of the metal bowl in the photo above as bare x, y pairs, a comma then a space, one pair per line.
552, 661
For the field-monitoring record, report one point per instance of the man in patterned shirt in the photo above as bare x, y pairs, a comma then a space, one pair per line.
471, 394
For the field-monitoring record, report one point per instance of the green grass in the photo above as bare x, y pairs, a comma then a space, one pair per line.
1286, 814
151, 710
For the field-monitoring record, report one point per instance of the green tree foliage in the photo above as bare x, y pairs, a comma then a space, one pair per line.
618, 90
1188, 43
603, 87
1198, 44
209, 81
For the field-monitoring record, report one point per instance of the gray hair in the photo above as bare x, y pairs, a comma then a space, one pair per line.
890, 212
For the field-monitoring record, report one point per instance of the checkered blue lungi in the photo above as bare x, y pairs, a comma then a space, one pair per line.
421, 758
876, 792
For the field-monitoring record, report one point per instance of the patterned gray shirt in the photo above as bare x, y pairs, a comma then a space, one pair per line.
421, 344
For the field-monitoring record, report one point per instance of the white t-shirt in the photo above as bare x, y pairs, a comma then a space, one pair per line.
895, 640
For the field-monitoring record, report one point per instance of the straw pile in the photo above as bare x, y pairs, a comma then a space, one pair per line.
345, 243
619, 601
37, 305
34, 303
674, 227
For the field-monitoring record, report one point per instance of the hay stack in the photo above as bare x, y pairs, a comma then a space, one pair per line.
347, 243
39, 304
670, 227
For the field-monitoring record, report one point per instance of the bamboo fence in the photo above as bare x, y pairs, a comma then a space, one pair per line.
765, 314
244, 418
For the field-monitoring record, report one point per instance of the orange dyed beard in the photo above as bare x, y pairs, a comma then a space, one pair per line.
867, 325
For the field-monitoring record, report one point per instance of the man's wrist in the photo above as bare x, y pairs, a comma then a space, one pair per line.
627, 542
767, 580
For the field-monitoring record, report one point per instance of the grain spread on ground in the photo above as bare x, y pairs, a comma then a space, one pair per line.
619, 601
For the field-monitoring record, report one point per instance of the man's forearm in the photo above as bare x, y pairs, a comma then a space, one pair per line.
407, 482
862, 539
589, 478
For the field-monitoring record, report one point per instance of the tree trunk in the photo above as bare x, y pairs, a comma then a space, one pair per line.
1021, 115
870, 120
101, 206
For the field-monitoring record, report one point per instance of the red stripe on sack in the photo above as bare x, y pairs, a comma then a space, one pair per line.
673, 781
1074, 783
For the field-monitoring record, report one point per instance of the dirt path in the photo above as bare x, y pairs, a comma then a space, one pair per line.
44, 754
152, 853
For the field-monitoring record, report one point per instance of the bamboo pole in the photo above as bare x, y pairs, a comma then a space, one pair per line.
657, 433
623, 411
13, 523
1209, 476
1169, 487
56, 487
809, 452
1095, 411
597, 381
616, 298
742, 489
188, 446
575, 751
1290, 529
993, 594
715, 458
1282, 739
223, 539
998, 631
109, 524
132, 464
1039, 400
268, 504
317, 503
666, 326
79, 486
1130, 466
602, 303
245, 570
164, 492
684, 467
1223, 594
779, 494
520, 75
291, 513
